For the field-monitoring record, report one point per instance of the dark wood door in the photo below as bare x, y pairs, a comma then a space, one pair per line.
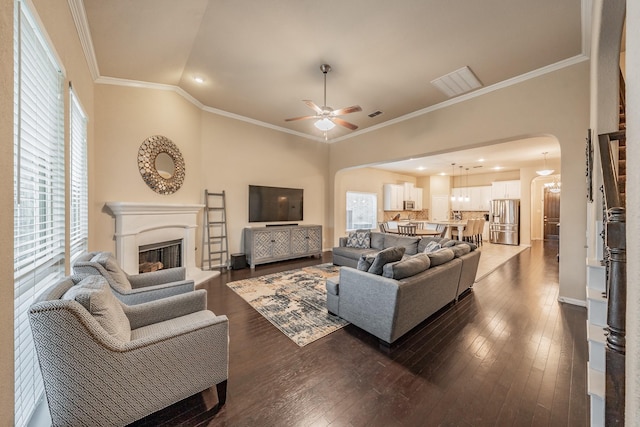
551, 215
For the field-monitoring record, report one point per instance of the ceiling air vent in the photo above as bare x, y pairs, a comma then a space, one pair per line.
457, 82
375, 113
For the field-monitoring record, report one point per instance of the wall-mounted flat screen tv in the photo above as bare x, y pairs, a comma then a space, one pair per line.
269, 204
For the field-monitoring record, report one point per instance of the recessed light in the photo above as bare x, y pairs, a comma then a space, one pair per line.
481, 160
442, 174
497, 168
198, 79
421, 168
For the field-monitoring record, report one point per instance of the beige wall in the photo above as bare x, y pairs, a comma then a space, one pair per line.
219, 153
236, 154
486, 178
367, 180
6, 213
125, 117
555, 104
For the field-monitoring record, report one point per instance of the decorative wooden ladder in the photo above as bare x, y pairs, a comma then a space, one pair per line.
215, 246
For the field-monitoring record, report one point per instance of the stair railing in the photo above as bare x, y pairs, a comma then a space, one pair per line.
616, 256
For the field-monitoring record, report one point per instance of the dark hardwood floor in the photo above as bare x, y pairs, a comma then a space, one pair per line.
507, 354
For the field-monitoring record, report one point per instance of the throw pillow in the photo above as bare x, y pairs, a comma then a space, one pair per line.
359, 239
406, 267
95, 295
386, 256
441, 256
431, 247
365, 261
110, 264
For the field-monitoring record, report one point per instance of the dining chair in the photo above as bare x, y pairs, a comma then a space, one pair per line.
382, 227
419, 225
467, 232
479, 229
407, 230
442, 229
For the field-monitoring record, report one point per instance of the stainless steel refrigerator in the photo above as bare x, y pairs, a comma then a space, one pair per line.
504, 223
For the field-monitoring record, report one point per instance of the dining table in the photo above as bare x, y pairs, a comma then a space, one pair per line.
419, 232
460, 225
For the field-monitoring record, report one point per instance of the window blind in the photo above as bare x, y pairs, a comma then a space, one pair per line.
39, 211
79, 223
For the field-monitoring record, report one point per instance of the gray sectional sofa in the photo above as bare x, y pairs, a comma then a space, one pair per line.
408, 291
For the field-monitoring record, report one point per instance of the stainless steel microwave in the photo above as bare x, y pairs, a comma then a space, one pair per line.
409, 205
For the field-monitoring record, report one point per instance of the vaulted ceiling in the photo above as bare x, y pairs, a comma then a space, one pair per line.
260, 59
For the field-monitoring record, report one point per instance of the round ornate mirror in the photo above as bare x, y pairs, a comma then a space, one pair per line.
161, 164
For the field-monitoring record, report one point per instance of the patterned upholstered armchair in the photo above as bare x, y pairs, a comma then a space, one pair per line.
108, 364
133, 289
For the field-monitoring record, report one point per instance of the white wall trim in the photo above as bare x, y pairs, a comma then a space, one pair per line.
82, 27
573, 301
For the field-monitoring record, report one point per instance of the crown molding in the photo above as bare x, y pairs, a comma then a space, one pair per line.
200, 105
82, 27
462, 98
84, 34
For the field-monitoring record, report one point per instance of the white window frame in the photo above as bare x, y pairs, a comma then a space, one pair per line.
39, 193
361, 210
78, 185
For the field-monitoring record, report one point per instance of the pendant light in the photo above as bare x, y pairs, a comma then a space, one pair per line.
466, 196
460, 198
545, 171
453, 176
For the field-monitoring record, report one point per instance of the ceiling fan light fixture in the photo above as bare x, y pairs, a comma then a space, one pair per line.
324, 124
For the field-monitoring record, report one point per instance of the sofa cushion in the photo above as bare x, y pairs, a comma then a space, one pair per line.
95, 295
441, 256
107, 260
407, 267
377, 240
431, 247
459, 250
352, 253
386, 256
359, 239
410, 244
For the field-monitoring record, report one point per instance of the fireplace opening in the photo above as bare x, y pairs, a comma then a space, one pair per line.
160, 255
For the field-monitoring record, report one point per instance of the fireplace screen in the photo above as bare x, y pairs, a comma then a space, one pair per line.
160, 255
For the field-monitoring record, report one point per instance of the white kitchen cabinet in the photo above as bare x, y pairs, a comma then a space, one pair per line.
473, 198
505, 189
393, 196
480, 198
418, 198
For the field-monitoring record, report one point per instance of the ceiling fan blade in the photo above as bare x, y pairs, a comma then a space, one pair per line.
300, 118
344, 123
313, 106
347, 110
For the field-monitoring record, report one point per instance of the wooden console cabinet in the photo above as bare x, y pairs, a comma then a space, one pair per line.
268, 244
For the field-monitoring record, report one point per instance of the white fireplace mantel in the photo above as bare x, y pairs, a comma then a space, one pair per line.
139, 224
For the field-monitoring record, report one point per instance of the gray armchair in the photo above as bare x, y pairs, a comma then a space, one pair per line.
108, 364
134, 289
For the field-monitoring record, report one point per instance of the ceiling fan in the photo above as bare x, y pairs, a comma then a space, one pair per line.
327, 116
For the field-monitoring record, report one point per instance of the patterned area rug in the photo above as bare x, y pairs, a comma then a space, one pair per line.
293, 301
